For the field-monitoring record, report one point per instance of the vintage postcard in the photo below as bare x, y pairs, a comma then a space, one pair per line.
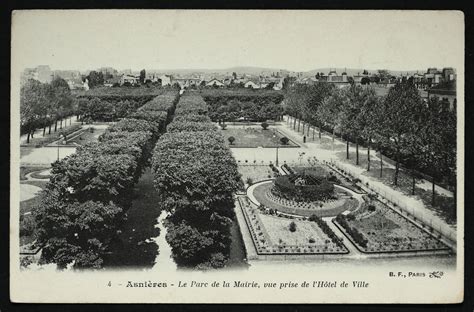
242, 156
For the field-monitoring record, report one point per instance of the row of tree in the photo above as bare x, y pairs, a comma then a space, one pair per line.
83, 206
232, 105
43, 105
419, 134
196, 175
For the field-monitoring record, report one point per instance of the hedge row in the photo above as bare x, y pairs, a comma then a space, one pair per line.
84, 203
358, 237
192, 104
327, 230
197, 175
108, 108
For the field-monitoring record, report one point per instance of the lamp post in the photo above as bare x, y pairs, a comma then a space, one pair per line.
276, 156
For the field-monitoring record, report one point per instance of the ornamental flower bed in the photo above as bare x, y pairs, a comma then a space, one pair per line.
377, 228
271, 234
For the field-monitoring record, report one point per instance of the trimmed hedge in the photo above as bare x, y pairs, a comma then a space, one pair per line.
179, 126
197, 175
88, 193
358, 237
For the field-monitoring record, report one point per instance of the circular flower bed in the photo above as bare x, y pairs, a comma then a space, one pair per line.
303, 188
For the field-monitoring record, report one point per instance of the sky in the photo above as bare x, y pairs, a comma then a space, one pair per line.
292, 40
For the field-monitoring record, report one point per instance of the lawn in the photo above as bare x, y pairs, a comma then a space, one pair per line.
444, 207
385, 230
278, 232
255, 173
87, 136
255, 137
39, 140
271, 234
24, 170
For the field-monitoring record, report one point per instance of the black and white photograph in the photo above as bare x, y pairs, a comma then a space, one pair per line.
238, 156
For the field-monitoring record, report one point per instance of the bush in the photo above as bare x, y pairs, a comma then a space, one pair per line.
317, 188
292, 226
249, 181
223, 126
231, 140
264, 125
371, 208
284, 140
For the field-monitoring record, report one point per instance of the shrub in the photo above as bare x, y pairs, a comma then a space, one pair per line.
264, 125
284, 140
311, 240
223, 126
371, 208
231, 140
249, 181
292, 226
319, 189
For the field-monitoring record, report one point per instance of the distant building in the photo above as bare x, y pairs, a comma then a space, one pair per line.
112, 81
252, 84
165, 80
75, 83
133, 80
186, 82
214, 83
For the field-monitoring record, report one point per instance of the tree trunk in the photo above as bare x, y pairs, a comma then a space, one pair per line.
381, 163
28, 138
397, 168
433, 195
299, 122
44, 131
313, 133
32, 134
333, 134
61, 124
49, 131
294, 123
357, 151
413, 182
368, 155
319, 133
56, 125
304, 123
347, 149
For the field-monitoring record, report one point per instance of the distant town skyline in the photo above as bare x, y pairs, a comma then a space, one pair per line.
297, 41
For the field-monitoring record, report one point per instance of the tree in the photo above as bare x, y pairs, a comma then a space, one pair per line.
95, 79
33, 103
365, 81
330, 111
402, 110
61, 100
142, 76
264, 125
438, 142
231, 140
